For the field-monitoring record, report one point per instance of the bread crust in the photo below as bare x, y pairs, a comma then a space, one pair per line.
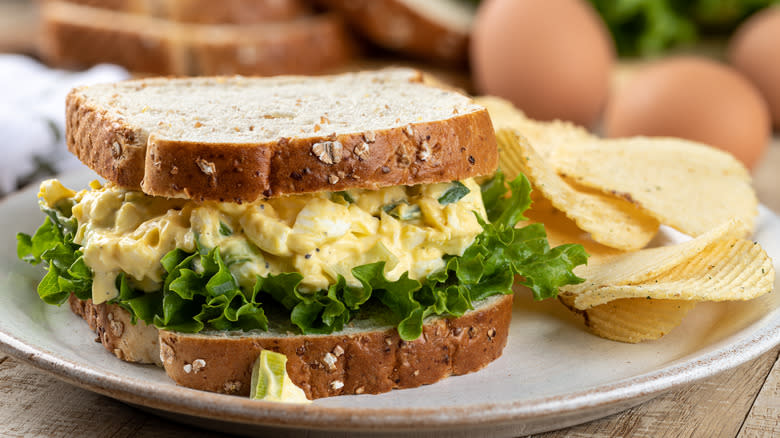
339, 364
394, 25
318, 44
72, 44
130, 342
207, 11
113, 149
74, 35
459, 147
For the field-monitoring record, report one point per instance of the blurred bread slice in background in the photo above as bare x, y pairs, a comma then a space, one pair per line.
74, 35
208, 11
433, 30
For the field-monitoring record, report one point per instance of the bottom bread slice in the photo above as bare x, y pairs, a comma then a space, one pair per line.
362, 358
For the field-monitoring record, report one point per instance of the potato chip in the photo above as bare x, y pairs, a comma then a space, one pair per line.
685, 185
562, 230
632, 320
640, 266
728, 270
544, 136
610, 221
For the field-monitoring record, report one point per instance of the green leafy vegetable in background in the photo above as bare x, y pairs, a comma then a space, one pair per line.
199, 292
647, 27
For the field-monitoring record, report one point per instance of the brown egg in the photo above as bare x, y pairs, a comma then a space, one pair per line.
693, 98
551, 58
755, 51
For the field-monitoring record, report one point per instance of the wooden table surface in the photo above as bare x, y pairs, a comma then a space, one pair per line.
742, 402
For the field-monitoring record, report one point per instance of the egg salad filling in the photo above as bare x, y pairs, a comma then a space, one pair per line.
415, 251
320, 235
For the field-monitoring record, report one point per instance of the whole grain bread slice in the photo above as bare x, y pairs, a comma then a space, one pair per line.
239, 139
207, 11
74, 35
366, 357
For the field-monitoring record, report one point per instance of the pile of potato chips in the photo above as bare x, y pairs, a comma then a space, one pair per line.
611, 196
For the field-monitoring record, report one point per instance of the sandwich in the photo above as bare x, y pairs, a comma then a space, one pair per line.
356, 224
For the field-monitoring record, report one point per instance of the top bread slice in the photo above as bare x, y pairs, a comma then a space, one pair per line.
237, 139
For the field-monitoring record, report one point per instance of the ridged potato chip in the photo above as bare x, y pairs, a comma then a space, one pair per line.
685, 185
610, 221
640, 266
727, 270
642, 295
544, 136
562, 230
632, 320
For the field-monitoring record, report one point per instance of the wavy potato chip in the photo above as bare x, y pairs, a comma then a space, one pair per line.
610, 221
685, 185
643, 295
544, 136
632, 320
727, 270
562, 230
640, 266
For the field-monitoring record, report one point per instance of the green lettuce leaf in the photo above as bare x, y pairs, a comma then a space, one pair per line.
53, 245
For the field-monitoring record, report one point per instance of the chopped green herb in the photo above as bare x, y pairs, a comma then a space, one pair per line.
345, 196
454, 194
224, 229
405, 211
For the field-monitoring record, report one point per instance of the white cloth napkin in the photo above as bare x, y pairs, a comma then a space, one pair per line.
32, 115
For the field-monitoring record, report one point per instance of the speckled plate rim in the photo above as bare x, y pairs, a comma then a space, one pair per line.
600, 400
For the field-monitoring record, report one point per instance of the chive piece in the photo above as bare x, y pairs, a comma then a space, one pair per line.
454, 194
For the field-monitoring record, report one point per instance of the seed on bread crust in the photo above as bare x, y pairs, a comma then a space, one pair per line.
167, 355
206, 167
425, 151
116, 150
329, 152
198, 364
330, 361
232, 387
361, 150
117, 328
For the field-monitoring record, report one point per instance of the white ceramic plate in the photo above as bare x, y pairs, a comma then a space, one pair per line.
552, 374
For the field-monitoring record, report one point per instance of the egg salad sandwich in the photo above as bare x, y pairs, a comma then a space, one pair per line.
354, 223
